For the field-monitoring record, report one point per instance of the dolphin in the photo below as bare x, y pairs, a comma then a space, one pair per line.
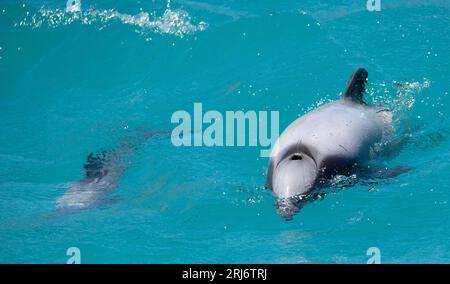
335, 139
102, 174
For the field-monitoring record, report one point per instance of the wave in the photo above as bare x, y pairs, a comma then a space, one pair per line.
174, 22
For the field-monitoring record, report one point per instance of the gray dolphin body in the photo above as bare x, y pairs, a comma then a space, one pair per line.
327, 141
103, 172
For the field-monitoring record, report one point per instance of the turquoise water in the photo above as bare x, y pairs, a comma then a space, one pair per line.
79, 81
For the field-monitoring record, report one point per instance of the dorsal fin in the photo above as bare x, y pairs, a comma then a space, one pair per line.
95, 165
356, 85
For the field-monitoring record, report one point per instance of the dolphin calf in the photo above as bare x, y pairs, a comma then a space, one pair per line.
331, 140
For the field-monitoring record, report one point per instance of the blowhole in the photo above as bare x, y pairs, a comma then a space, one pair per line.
296, 157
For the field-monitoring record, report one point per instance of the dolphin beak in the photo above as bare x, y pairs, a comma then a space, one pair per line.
288, 207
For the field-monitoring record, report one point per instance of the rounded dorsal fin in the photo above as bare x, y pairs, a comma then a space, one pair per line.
356, 85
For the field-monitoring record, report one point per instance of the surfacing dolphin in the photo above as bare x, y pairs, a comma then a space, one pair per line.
335, 139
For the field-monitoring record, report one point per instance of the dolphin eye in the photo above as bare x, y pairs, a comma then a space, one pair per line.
296, 157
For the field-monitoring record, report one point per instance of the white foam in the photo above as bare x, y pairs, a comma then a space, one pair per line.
405, 94
174, 22
73, 6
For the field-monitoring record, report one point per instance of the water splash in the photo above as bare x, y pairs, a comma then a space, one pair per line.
321, 102
398, 97
173, 22
73, 6
405, 93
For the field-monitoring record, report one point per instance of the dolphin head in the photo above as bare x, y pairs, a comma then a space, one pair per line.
292, 179
294, 175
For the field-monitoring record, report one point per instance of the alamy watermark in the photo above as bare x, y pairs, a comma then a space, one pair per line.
375, 255
234, 128
373, 5
75, 255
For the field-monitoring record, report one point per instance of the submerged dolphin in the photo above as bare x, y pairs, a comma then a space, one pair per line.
103, 172
331, 140
102, 175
